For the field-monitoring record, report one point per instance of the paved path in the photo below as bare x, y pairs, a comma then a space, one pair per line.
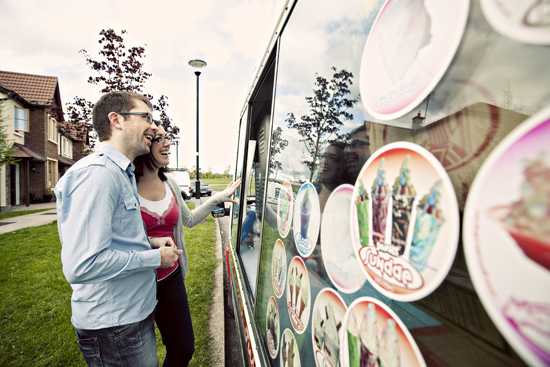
29, 220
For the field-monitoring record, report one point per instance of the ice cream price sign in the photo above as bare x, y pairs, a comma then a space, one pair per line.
284, 209
328, 314
521, 20
373, 335
408, 50
298, 295
339, 255
404, 221
290, 354
307, 219
278, 268
507, 237
272, 332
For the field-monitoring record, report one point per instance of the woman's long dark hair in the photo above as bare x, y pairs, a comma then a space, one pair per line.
147, 161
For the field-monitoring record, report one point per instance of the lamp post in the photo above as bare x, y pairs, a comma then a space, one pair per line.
197, 64
175, 141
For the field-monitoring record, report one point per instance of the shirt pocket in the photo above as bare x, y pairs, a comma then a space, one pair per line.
131, 217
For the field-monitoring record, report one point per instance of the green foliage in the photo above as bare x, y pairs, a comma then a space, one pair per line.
5, 144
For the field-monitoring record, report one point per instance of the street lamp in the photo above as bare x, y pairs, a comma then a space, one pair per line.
175, 141
197, 64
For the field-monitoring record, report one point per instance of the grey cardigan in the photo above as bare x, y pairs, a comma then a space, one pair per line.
191, 218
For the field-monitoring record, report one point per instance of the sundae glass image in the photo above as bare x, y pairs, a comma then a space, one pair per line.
389, 349
363, 340
528, 220
429, 219
362, 205
354, 342
403, 197
403, 30
319, 335
380, 198
272, 326
284, 203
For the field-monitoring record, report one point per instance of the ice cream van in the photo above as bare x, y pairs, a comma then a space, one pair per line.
395, 155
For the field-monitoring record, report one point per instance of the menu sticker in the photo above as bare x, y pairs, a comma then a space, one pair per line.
526, 21
405, 222
298, 295
272, 327
507, 237
339, 256
278, 268
326, 329
409, 48
373, 335
290, 354
307, 219
285, 206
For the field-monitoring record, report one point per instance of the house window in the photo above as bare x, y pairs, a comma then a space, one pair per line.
52, 173
21, 119
66, 147
52, 129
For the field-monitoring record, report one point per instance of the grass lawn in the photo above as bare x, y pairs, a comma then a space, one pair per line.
5, 215
216, 181
35, 311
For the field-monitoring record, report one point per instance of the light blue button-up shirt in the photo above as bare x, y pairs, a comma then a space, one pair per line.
106, 255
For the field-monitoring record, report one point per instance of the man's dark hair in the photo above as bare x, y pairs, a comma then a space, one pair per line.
147, 161
118, 101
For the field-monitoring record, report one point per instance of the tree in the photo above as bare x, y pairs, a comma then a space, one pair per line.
226, 171
118, 69
328, 109
6, 146
278, 144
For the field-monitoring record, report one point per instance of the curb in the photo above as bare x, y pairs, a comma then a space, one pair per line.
217, 323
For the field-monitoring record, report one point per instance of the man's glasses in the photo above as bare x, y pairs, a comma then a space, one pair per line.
147, 116
353, 143
161, 139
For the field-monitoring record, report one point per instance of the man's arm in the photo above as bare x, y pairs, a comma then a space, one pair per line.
89, 200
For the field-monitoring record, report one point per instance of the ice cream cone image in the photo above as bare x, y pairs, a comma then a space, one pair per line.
429, 219
380, 198
403, 198
362, 205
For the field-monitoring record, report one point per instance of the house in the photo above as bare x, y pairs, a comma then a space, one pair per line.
32, 109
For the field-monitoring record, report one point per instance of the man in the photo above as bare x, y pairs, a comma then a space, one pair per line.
106, 255
357, 152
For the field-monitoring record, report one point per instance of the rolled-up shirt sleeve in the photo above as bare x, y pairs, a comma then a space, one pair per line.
89, 208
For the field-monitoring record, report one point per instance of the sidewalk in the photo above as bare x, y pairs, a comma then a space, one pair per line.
29, 220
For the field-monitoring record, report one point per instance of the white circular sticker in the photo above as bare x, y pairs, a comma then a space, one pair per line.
326, 329
507, 237
298, 295
526, 21
278, 268
272, 327
405, 223
409, 48
374, 335
307, 219
338, 253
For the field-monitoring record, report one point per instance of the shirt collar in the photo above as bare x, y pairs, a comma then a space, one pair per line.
116, 156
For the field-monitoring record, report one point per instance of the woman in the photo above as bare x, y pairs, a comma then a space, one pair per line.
164, 214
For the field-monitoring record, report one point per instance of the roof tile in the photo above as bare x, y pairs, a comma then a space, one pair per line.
33, 88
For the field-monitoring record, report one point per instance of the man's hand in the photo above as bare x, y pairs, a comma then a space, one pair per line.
158, 242
168, 256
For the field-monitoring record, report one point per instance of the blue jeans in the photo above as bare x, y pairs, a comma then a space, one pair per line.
173, 319
120, 346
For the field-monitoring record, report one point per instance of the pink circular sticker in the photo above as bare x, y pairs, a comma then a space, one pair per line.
507, 237
405, 222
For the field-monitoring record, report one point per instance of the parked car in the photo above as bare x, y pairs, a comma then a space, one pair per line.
205, 189
184, 182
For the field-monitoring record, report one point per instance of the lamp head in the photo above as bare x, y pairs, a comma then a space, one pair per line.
197, 64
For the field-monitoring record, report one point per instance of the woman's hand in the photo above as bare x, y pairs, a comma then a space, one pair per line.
231, 188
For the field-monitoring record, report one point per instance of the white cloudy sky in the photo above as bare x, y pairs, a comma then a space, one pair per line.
230, 35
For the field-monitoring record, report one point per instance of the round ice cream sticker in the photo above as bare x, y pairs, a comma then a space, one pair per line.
408, 50
339, 256
298, 295
405, 222
284, 209
290, 354
507, 237
278, 268
373, 335
272, 327
326, 329
307, 218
